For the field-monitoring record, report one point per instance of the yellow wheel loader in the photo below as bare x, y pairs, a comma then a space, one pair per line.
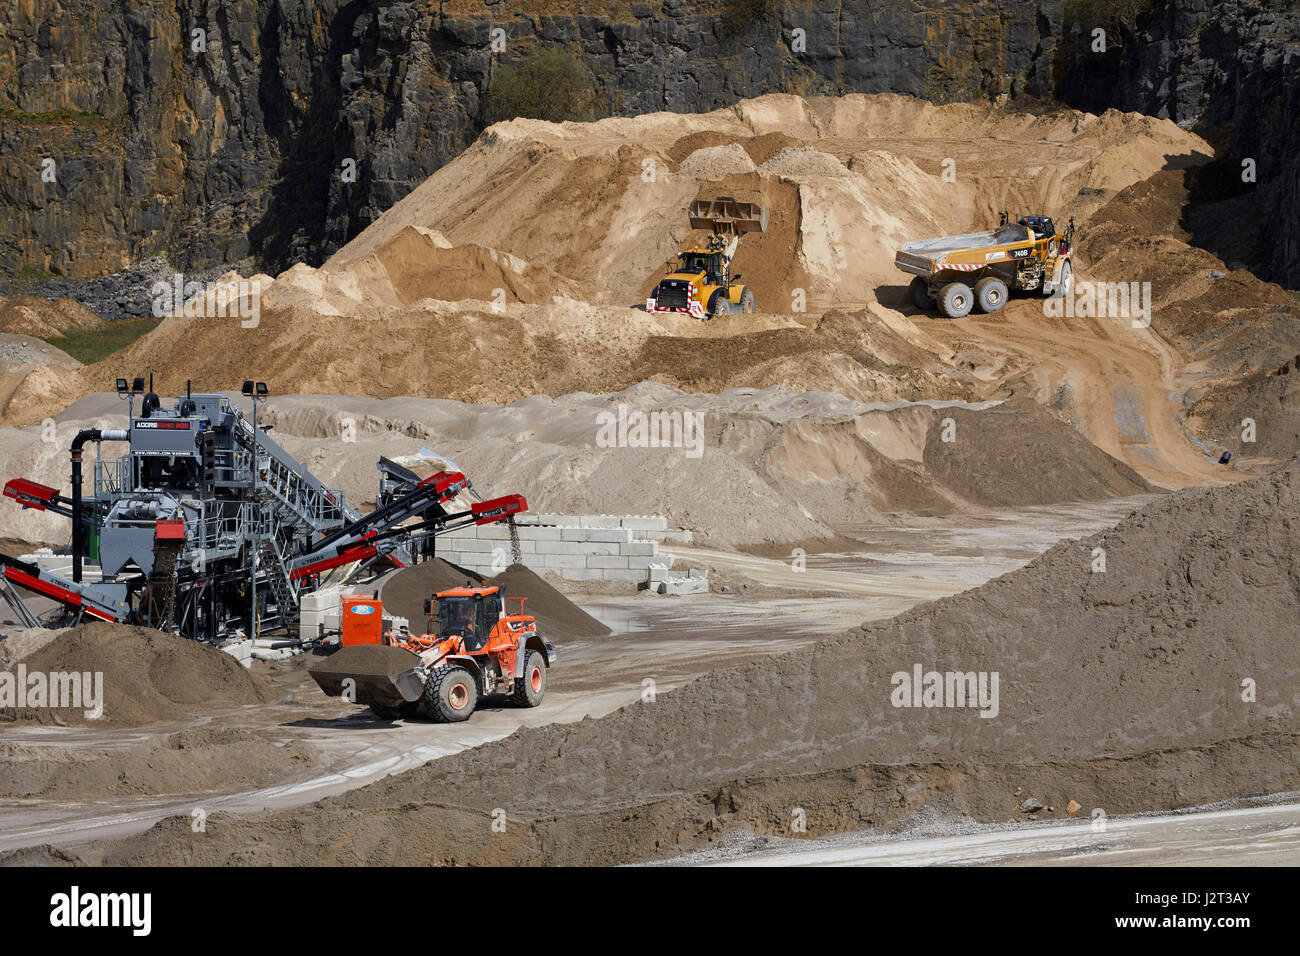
702, 284
978, 270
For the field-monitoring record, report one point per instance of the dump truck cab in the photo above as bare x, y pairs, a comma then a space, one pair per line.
978, 270
701, 284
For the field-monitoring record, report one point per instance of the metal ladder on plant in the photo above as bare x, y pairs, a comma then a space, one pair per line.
281, 583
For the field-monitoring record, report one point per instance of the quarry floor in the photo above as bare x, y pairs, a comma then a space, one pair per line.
658, 643
1260, 833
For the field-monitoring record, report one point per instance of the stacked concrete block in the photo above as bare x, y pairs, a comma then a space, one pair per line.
664, 580
576, 547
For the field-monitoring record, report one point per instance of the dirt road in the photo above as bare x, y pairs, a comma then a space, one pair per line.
1117, 383
1250, 836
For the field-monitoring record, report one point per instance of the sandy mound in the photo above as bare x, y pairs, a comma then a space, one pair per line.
544, 237
201, 760
418, 264
30, 315
1016, 454
558, 618
849, 178
148, 676
797, 465
1122, 690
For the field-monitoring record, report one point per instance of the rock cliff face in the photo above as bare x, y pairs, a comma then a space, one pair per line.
1230, 69
286, 126
235, 143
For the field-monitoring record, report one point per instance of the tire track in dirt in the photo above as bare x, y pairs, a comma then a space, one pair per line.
1118, 384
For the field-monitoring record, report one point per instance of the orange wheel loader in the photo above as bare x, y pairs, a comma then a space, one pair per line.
474, 648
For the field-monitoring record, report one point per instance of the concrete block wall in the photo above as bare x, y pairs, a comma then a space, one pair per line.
648, 527
664, 580
576, 547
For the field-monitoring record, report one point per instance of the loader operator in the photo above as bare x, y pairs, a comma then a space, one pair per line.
460, 620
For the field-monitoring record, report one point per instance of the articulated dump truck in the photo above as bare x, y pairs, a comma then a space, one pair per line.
978, 270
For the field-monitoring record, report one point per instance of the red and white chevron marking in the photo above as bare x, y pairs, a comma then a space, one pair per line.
959, 266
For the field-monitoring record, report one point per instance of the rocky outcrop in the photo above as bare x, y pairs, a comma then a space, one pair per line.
1230, 69
238, 142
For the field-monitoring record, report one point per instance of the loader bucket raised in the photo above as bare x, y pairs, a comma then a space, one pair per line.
378, 675
725, 214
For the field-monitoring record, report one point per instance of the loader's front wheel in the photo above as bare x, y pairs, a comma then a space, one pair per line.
531, 688
991, 293
956, 300
450, 694
718, 304
747, 302
920, 290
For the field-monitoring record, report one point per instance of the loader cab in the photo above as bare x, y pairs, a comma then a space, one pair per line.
470, 613
710, 263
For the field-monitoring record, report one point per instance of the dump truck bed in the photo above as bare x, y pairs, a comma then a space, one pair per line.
921, 256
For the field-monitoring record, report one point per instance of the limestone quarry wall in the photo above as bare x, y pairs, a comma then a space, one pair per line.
120, 97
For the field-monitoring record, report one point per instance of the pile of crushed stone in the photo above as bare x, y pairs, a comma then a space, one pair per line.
147, 677
558, 618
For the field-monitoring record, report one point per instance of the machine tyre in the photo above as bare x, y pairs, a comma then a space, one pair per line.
921, 297
990, 294
956, 300
717, 304
1063, 287
450, 695
531, 688
747, 301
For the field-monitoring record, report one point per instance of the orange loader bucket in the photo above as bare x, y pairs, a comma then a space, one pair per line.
371, 674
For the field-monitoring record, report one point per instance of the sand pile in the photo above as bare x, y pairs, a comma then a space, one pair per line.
558, 618
849, 178
43, 319
1017, 454
797, 465
200, 760
1165, 681
148, 676
418, 264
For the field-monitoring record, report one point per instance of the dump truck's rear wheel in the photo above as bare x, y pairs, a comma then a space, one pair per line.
531, 688
450, 694
956, 300
991, 293
920, 290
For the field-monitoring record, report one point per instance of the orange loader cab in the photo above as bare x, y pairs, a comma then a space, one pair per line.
472, 620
